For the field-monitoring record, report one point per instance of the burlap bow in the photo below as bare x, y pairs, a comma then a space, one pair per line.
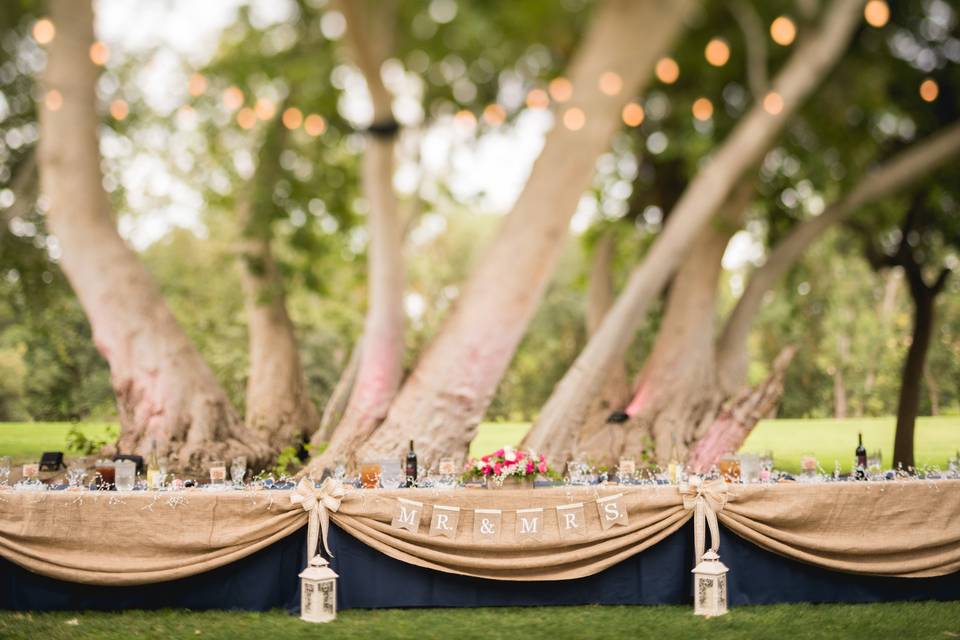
706, 499
318, 503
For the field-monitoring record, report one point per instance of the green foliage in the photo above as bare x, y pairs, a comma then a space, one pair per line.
80, 441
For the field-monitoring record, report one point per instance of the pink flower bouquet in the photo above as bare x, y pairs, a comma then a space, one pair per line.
507, 463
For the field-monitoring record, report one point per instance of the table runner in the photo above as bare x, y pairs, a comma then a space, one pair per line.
909, 529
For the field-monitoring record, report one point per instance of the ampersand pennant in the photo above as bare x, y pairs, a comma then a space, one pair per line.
486, 525
612, 511
406, 515
572, 521
444, 521
529, 524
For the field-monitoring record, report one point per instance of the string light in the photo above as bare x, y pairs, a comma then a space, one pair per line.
465, 119
702, 109
574, 119
929, 90
196, 85
119, 109
99, 53
232, 98
876, 13
610, 83
560, 89
314, 125
265, 109
44, 31
494, 114
783, 30
773, 103
632, 114
667, 70
538, 99
53, 100
246, 118
292, 118
717, 52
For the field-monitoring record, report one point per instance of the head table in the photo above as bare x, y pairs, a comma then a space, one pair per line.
508, 541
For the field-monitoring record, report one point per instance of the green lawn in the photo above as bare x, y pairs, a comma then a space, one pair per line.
916, 621
829, 440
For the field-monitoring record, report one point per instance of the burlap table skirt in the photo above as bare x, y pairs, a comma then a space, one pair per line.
907, 529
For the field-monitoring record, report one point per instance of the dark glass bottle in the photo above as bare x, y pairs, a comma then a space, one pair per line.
411, 468
861, 459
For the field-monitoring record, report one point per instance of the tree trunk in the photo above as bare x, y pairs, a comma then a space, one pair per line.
381, 356
446, 395
740, 415
597, 439
839, 387
165, 391
743, 149
278, 403
898, 173
924, 297
337, 403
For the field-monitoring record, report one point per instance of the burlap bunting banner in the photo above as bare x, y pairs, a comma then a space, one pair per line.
572, 521
486, 525
529, 524
612, 511
444, 521
406, 515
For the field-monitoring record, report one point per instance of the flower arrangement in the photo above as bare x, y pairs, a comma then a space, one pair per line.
507, 463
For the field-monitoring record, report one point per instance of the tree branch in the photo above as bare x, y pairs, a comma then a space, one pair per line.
755, 39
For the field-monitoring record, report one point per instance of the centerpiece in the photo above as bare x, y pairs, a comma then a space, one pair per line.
507, 467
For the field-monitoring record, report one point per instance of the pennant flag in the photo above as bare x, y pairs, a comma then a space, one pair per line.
406, 515
529, 524
572, 521
444, 521
612, 511
486, 525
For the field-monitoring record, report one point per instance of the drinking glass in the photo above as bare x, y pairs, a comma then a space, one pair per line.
875, 463
391, 475
808, 466
750, 467
125, 475
238, 469
218, 473
76, 472
370, 474
730, 468
4, 470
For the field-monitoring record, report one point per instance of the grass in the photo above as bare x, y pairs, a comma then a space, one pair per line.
917, 620
937, 439
828, 440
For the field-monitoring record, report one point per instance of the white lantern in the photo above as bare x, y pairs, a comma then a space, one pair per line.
710, 586
318, 592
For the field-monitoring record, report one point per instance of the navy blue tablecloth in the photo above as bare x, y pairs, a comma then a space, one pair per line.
369, 579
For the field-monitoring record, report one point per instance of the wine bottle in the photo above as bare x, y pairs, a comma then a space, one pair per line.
153, 468
411, 468
861, 459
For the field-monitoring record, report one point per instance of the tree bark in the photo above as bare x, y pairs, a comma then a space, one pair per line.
278, 405
896, 174
597, 439
337, 403
165, 391
381, 357
744, 148
924, 297
740, 415
446, 395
